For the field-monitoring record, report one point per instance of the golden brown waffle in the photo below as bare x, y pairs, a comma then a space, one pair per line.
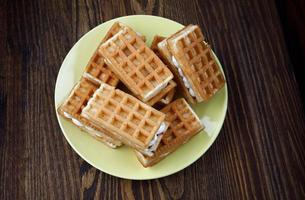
132, 121
165, 96
184, 124
154, 44
194, 59
135, 64
166, 56
168, 97
115, 28
98, 71
73, 105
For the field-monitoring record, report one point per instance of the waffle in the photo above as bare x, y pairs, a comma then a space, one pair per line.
154, 44
135, 64
98, 71
132, 121
72, 107
194, 59
168, 97
166, 56
165, 96
184, 124
115, 28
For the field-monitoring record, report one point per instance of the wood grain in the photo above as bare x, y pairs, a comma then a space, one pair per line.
292, 16
260, 152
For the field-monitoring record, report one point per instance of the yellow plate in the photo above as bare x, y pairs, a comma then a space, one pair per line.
122, 162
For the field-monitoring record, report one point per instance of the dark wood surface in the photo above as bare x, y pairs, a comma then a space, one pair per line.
259, 154
292, 15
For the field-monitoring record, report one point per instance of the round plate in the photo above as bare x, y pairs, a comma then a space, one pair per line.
122, 162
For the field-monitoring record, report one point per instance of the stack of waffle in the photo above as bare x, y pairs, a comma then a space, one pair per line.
126, 113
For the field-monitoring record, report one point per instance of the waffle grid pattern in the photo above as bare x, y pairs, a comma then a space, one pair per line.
166, 94
125, 114
115, 28
75, 103
79, 97
202, 62
182, 122
135, 62
100, 71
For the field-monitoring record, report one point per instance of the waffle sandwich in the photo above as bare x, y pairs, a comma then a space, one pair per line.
193, 63
72, 107
115, 28
130, 120
97, 70
115, 117
165, 96
184, 124
136, 65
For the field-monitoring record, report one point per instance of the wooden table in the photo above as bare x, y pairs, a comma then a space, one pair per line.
259, 154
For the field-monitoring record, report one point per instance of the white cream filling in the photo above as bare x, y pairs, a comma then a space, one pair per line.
93, 132
146, 161
156, 90
67, 115
111, 144
164, 100
90, 130
153, 145
76, 122
162, 44
184, 79
89, 76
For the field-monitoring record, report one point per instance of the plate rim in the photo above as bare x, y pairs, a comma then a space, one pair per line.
213, 139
